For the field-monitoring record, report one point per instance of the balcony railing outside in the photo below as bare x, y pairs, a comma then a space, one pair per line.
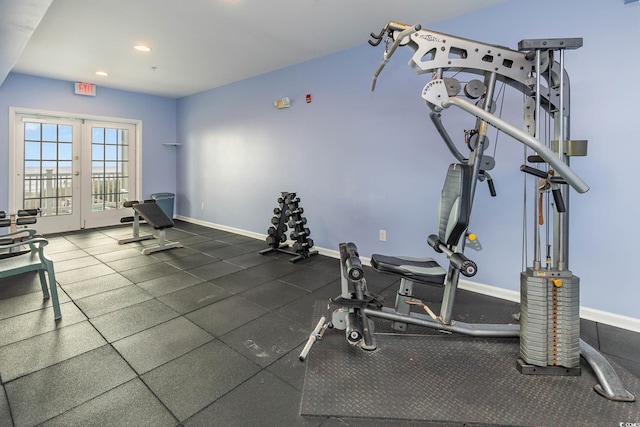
53, 193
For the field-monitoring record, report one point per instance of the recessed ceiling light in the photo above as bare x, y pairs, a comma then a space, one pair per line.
142, 48
102, 73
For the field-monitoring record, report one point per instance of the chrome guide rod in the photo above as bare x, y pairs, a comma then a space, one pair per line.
536, 228
562, 217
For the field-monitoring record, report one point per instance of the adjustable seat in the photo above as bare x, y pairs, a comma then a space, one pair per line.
455, 207
454, 214
425, 270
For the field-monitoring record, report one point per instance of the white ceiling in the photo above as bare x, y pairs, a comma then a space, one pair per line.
197, 44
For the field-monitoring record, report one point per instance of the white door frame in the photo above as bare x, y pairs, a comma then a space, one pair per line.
13, 161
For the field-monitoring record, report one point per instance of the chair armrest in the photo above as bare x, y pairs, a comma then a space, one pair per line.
40, 242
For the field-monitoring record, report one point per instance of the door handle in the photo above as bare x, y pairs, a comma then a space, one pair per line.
76, 173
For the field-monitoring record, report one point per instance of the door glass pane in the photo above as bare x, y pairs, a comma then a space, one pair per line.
110, 153
64, 151
32, 132
49, 132
47, 168
110, 136
97, 135
123, 152
49, 150
31, 150
97, 168
124, 186
109, 166
97, 152
65, 133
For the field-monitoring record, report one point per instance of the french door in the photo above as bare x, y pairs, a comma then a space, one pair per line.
77, 172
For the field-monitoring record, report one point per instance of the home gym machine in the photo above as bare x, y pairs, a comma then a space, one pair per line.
549, 328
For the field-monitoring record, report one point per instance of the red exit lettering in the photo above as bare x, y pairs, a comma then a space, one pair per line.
85, 89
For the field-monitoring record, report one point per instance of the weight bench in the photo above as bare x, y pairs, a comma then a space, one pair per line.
32, 260
136, 224
22, 218
153, 214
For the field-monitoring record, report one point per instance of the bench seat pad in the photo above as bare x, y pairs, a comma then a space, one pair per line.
416, 269
153, 214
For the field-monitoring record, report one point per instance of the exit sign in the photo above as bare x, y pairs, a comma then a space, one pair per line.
88, 89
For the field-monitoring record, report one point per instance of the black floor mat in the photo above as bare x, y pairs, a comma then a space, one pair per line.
450, 378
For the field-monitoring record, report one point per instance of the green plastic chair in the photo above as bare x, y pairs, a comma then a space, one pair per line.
26, 260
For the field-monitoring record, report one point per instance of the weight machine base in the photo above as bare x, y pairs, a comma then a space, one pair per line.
528, 369
447, 379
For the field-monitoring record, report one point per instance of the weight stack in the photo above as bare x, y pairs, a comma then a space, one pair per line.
549, 322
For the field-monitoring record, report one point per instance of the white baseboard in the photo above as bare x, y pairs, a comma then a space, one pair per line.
612, 319
222, 227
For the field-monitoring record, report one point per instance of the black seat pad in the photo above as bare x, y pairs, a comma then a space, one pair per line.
153, 214
418, 269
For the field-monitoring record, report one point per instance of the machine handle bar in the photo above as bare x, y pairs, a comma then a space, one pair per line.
533, 171
492, 187
407, 31
558, 200
557, 194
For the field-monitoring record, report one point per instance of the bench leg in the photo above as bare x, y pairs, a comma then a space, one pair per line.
53, 287
163, 244
43, 284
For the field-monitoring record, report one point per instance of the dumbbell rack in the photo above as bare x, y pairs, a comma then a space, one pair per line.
289, 214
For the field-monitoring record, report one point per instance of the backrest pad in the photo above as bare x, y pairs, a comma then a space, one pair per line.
455, 204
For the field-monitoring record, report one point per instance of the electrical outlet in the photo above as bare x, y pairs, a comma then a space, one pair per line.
202, 205
383, 235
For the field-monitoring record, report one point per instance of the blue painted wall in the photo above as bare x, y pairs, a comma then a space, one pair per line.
365, 161
158, 115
